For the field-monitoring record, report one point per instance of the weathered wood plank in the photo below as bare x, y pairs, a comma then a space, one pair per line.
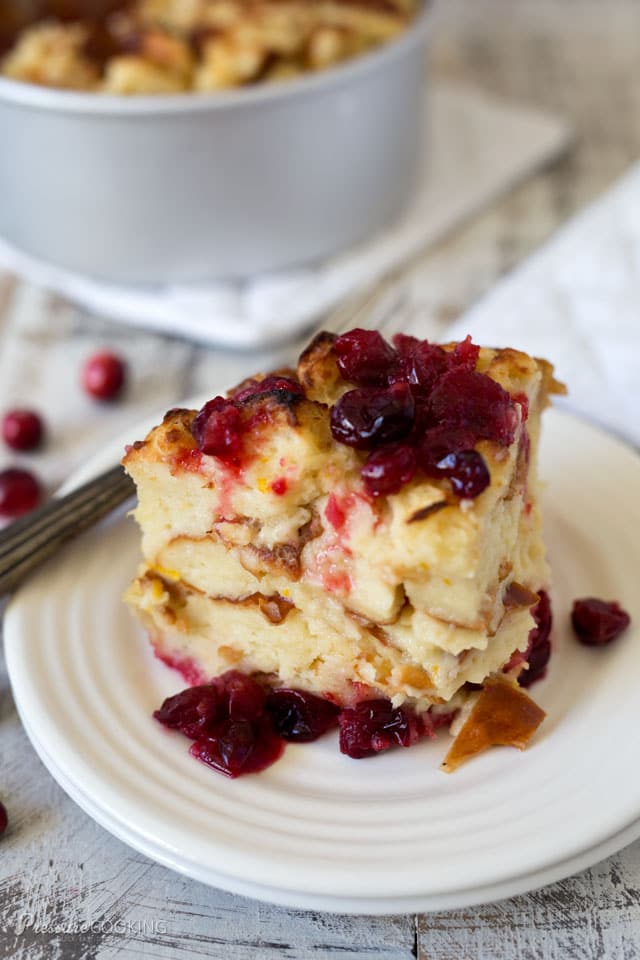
592, 915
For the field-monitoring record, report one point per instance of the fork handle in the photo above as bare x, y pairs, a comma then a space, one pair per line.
32, 539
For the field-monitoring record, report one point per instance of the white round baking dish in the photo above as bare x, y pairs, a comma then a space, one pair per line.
188, 187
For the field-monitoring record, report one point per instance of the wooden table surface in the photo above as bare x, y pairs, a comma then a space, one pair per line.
69, 890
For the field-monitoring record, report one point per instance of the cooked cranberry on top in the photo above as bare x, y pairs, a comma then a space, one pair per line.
467, 473
388, 469
465, 354
364, 357
464, 398
597, 622
448, 452
420, 363
370, 417
453, 408
438, 442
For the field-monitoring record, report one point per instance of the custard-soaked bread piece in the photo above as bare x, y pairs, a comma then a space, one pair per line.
387, 504
313, 646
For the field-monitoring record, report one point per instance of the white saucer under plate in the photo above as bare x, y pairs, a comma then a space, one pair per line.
317, 830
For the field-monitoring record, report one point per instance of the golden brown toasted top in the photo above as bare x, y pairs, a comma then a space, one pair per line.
285, 434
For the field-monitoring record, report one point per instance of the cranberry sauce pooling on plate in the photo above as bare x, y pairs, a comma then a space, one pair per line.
354, 543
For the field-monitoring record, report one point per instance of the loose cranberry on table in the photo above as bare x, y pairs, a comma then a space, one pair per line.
598, 622
4, 819
104, 375
20, 492
22, 429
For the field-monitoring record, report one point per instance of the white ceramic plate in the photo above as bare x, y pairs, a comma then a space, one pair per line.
389, 834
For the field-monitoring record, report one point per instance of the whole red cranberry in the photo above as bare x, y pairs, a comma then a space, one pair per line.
387, 470
104, 375
20, 492
22, 429
364, 357
218, 429
370, 417
597, 622
4, 819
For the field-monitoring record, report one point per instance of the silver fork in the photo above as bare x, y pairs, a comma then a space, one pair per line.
30, 540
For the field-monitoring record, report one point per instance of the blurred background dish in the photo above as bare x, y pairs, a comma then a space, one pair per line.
170, 46
177, 188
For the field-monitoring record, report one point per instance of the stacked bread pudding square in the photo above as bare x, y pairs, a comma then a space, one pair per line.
364, 529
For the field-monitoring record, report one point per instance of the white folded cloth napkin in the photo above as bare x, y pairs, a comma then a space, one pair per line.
577, 302
476, 147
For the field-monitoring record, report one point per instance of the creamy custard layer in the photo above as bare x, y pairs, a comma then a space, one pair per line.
318, 649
